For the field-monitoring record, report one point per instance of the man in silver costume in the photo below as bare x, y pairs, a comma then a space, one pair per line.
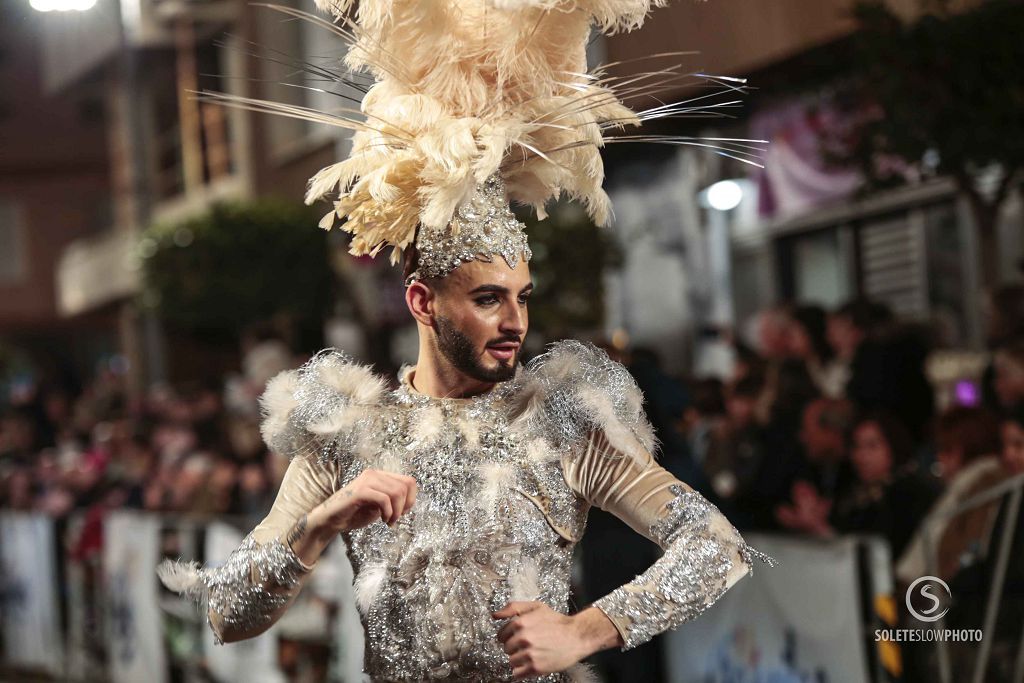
460, 495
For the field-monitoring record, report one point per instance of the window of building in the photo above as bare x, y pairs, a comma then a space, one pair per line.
916, 259
13, 264
290, 43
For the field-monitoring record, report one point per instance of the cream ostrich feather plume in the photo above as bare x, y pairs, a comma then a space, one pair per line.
465, 89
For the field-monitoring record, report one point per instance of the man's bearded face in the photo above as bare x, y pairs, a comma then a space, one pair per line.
482, 318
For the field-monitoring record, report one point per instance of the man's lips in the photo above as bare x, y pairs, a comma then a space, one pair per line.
503, 350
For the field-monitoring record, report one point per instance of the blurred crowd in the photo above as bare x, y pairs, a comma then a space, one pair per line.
827, 425
193, 449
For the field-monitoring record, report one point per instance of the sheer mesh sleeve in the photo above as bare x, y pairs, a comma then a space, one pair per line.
260, 578
312, 416
703, 557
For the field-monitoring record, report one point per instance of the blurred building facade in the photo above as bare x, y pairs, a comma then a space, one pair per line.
112, 112
159, 154
802, 232
54, 182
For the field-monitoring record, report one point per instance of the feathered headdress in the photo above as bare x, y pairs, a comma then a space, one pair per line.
474, 99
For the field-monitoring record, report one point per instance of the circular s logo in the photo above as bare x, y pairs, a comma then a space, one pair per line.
926, 587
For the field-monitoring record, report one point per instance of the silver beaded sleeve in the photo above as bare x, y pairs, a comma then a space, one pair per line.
257, 581
594, 408
704, 556
309, 417
249, 592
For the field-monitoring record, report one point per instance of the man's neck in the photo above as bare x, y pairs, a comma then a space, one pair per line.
435, 376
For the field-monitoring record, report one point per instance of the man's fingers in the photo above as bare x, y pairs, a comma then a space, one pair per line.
400, 487
381, 500
515, 644
396, 489
521, 672
413, 490
514, 608
508, 630
521, 659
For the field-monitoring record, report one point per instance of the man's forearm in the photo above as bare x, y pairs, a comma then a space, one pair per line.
309, 537
596, 630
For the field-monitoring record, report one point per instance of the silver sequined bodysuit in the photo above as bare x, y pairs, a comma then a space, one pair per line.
505, 483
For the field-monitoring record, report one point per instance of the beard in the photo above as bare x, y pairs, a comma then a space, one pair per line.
460, 352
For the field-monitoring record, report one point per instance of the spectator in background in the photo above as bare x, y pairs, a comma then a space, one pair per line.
968, 447
665, 399
703, 416
825, 473
1011, 614
768, 333
1008, 375
1005, 328
889, 497
824, 435
887, 375
736, 452
1012, 432
18, 437
807, 341
848, 327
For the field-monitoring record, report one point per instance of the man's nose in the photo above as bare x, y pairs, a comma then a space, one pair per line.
514, 320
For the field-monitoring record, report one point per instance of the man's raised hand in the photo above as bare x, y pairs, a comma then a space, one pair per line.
373, 495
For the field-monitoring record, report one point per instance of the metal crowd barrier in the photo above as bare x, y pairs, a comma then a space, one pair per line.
74, 607
1010, 491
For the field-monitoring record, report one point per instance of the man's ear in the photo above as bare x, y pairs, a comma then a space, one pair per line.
421, 301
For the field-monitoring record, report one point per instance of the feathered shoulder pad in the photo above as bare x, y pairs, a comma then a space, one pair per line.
574, 389
311, 410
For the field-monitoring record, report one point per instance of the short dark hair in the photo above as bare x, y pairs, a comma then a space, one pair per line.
410, 262
813, 319
749, 386
896, 435
1015, 414
974, 430
836, 415
864, 314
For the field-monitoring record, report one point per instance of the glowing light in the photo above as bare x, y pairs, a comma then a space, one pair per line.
62, 5
725, 195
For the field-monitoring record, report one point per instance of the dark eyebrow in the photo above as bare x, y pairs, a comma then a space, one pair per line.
498, 289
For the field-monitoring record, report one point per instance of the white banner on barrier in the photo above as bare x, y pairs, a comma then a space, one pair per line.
131, 549
28, 590
332, 580
796, 622
253, 660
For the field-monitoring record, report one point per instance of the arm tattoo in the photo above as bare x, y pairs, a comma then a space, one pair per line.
298, 530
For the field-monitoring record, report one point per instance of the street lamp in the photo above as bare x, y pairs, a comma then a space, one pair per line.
725, 195
714, 356
61, 5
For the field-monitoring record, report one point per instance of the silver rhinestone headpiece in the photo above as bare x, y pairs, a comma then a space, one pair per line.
481, 228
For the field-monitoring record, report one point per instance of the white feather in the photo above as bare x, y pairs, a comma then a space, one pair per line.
182, 577
357, 382
339, 421
471, 432
599, 406
277, 402
368, 585
427, 424
582, 673
525, 583
538, 450
496, 479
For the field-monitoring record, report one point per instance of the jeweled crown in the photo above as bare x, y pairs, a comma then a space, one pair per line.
481, 228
